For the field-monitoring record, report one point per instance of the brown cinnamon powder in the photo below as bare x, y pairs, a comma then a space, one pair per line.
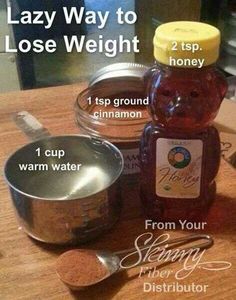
80, 268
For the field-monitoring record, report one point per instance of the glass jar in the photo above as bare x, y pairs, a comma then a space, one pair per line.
120, 124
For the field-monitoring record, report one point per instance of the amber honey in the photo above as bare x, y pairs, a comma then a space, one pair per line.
180, 149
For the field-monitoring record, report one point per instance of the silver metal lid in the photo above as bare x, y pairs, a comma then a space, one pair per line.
119, 70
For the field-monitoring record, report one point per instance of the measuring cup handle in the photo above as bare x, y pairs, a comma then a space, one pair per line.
30, 126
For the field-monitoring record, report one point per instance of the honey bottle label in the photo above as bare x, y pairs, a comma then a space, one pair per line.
178, 168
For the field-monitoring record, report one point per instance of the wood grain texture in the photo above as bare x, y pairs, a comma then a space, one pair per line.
27, 268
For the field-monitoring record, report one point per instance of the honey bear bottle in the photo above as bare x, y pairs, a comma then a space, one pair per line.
180, 149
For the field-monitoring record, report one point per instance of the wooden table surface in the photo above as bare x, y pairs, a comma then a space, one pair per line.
27, 268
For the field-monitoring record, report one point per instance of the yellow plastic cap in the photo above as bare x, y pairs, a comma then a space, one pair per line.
196, 44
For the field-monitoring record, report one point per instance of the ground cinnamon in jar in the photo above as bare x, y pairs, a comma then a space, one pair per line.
122, 81
80, 268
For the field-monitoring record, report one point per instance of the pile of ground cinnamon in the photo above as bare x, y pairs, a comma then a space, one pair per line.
80, 268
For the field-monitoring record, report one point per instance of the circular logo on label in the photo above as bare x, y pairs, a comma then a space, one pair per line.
179, 157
